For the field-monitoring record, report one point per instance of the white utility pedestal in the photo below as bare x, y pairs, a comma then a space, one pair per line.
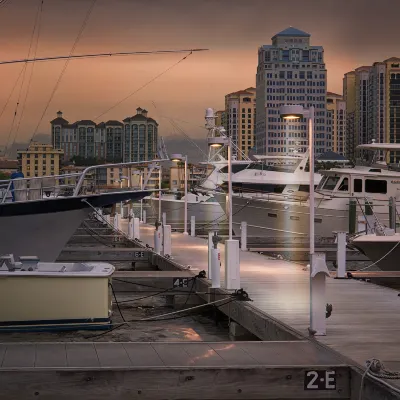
232, 264
144, 216
164, 218
158, 240
341, 255
136, 228
319, 272
167, 247
243, 227
192, 226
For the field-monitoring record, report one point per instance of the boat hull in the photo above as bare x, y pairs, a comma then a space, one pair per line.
209, 213
385, 251
43, 227
285, 220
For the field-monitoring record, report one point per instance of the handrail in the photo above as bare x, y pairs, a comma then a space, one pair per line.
93, 167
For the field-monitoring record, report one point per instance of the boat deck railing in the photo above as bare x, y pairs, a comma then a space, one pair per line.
65, 185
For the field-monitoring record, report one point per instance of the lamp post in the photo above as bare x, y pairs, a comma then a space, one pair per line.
121, 179
317, 283
159, 193
232, 265
179, 157
140, 173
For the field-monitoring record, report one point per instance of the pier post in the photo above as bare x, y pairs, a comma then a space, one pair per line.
392, 213
144, 216
243, 227
167, 247
210, 246
193, 226
215, 262
319, 272
136, 228
164, 218
232, 264
158, 239
116, 221
130, 228
352, 216
341, 255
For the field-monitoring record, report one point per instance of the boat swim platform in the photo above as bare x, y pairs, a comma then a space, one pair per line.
365, 322
185, 370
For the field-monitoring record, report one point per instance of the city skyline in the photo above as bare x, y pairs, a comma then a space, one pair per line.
90, 87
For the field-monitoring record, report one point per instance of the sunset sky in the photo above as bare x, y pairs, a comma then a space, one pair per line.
353, 33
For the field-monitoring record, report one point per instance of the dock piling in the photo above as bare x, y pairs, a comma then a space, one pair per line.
167, 245
341, 254
192, 226
164, 218
136, 228
232, 264
243, 227
144, 217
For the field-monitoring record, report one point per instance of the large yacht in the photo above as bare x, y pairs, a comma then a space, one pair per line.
286, 213
38, 215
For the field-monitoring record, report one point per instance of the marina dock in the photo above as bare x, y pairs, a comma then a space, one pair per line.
282, 364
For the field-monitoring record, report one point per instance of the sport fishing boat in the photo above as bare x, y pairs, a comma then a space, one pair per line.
38, 215
277, 205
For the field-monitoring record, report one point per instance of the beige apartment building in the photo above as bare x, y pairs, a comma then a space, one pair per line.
195, 174
239, 119
40, 160
336, 121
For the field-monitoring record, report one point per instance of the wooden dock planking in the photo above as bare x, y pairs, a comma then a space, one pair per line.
251, 370
365, 319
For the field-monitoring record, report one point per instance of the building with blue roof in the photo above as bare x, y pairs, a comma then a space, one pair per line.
290, 71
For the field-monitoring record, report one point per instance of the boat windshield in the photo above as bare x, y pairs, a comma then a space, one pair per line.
330, 183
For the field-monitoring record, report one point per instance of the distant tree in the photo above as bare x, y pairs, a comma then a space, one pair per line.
4, 176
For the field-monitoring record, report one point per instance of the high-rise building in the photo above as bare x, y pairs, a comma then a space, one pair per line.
220, 118
141, 135
373, 105
349, 96
40, 160
240, 110
336, 121
135, 139
290, 71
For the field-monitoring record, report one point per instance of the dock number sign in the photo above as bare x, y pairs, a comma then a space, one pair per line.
320, 380
181, 282
138, 254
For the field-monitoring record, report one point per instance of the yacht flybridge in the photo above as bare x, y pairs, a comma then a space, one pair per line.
38, 215
286, 213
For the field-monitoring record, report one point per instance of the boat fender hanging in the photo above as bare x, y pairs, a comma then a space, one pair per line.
329, 309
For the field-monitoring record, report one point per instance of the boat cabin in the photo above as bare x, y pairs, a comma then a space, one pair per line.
361, 182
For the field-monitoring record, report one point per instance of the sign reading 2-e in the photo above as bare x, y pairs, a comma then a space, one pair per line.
320, 380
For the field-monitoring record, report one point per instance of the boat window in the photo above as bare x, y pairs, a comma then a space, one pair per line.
375, 186
304, 188
344, 185
331, 182
322, 181
358, 185
235, 168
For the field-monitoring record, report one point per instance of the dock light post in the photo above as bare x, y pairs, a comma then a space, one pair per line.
159, 193
121, 179
141, 189
177, 158
318, 269
232, 264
